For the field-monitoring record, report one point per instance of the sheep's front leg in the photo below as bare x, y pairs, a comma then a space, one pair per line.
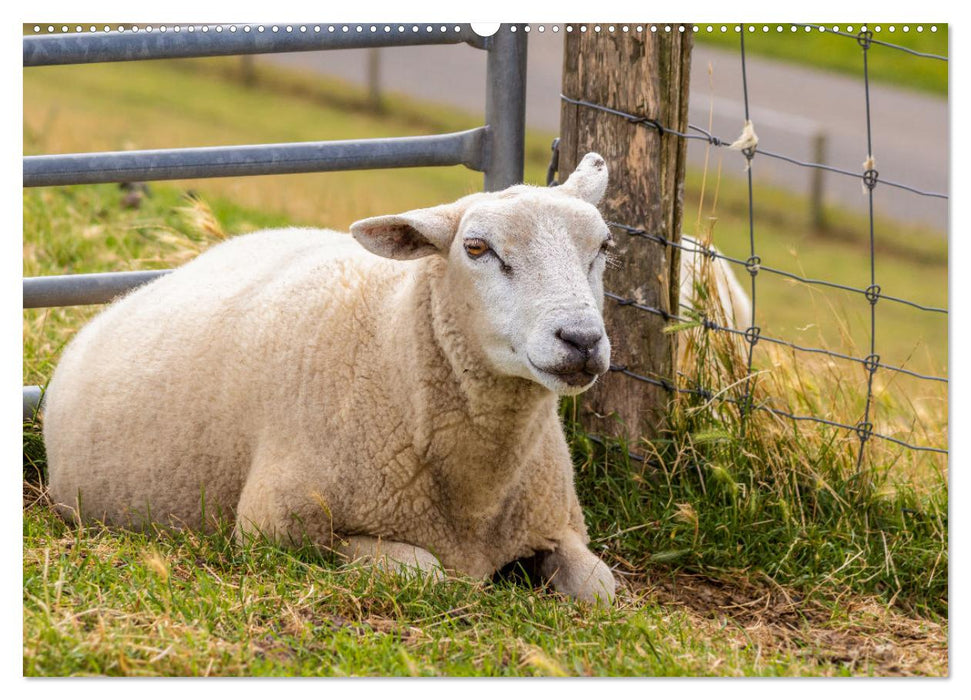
577, 572
389, 555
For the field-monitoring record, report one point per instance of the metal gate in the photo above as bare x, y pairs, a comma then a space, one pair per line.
495, 149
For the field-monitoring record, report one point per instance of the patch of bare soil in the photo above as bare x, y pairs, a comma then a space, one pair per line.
860, 635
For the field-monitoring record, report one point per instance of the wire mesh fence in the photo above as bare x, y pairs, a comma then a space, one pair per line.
752, 335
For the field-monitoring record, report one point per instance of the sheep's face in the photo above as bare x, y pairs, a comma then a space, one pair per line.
526, 268
525, 273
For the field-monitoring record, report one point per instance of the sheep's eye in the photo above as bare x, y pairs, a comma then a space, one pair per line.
603, 252
475, 247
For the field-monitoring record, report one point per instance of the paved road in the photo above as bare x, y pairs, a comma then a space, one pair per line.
788, 104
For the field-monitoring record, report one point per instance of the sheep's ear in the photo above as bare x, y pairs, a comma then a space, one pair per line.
408, 236
589, 180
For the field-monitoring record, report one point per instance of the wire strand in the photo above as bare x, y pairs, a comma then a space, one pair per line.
711, 395
887, 44
867, 362
705, 135
711, 252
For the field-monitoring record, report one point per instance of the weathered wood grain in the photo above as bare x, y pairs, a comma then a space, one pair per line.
645, 74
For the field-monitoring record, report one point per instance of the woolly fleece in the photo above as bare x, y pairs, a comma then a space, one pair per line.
300, 386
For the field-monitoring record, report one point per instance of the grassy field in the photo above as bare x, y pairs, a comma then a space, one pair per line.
843, 54
103, 603
743, 550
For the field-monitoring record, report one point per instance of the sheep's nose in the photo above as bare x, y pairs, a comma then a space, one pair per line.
583, 339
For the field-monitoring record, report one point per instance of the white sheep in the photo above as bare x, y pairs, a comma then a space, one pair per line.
731, 296
306, 389
406, 414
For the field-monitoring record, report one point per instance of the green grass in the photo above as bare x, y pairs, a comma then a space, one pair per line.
755, 550
843, 54
113, 603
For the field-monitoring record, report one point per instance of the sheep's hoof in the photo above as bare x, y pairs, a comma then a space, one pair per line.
393, 557
579, 574
423, 564
596, 586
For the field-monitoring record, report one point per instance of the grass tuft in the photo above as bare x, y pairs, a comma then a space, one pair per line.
724, 490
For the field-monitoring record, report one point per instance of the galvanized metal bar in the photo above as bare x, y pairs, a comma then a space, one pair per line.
506, 106
196, 41
32, 396
460, 148
77, 290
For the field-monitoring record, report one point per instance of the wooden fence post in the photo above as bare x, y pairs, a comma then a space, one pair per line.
375, 97
247, 70
817, 212
643, 73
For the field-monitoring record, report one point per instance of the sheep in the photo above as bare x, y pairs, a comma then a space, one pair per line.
735, 305
389, 395
709, 285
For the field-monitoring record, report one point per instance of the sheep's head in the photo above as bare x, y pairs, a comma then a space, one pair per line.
525, 270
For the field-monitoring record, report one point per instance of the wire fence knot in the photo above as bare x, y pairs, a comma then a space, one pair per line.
634, 119
708, 324
747, 141
870, 177
864, 430
753, 265
871, 362
865, 39
752, 334
746, 404
872, 293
